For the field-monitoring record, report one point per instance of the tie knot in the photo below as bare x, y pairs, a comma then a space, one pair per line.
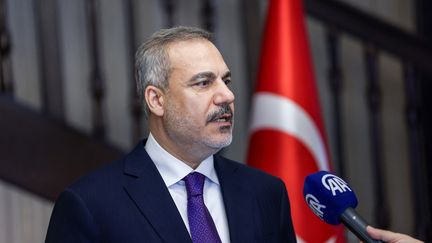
194, 184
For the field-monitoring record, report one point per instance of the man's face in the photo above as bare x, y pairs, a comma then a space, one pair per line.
199, 108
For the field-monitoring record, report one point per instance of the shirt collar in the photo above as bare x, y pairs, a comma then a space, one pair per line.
174, 170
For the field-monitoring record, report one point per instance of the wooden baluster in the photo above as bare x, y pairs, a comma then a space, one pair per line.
48, 52
6, 85
136, 108
421, 210
251, 41
373, 98
335, 83
96, 81
169, 7
207, 15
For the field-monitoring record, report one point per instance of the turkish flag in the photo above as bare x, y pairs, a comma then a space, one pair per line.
287, 134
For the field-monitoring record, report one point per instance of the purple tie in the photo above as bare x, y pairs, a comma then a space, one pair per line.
202, 227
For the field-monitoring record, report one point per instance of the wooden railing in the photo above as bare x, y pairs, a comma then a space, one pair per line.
416, 56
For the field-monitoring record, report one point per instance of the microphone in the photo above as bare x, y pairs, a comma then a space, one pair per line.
333, 201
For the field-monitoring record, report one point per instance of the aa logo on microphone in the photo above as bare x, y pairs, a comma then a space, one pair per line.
334, 184
315, 205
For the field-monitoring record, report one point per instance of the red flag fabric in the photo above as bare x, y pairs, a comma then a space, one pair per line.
287, 134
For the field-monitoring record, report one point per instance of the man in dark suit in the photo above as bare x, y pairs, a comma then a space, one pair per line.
173, 187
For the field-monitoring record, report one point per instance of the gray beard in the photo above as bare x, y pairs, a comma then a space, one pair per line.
180, 130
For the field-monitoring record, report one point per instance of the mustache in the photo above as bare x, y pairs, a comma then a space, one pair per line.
223, 110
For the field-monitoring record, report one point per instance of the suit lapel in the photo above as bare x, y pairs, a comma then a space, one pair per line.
239, 202
146, 188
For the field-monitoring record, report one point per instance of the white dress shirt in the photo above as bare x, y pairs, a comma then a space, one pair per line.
174, 170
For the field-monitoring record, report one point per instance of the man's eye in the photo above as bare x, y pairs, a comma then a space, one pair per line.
227, 81
203, 83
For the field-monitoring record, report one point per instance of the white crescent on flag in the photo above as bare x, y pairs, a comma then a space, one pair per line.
271, 111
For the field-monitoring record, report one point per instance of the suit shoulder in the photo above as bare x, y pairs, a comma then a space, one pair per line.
99, 178
110, 174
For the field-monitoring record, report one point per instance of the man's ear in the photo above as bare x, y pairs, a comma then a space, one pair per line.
154, 97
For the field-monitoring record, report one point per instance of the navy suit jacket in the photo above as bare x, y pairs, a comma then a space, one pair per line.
127, 201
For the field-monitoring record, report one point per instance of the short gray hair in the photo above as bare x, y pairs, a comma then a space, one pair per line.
152, 65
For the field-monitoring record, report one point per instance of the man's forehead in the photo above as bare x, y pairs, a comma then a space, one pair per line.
191, 47
196, 54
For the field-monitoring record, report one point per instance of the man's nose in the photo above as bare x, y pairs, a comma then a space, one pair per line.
223, 94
